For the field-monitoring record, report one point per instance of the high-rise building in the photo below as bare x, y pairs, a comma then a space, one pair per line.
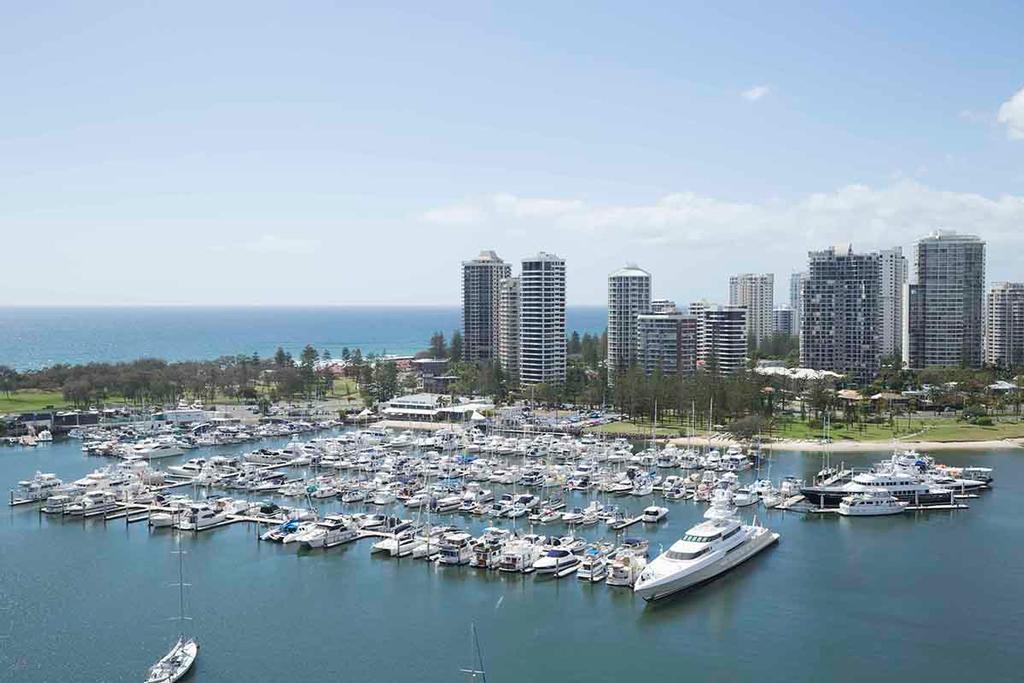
893, 274
721, 336
841, 321
542, 320
666, 341
629, 295
663, 306
508, 328
756, 291
943, 322
480, 280
796, 298
1004, 325
783, 320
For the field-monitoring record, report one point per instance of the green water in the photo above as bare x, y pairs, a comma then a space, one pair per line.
930, 596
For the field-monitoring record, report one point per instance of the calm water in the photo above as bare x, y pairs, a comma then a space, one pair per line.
37, 337
933, 597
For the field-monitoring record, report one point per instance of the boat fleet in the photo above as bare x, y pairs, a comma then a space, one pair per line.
401, 489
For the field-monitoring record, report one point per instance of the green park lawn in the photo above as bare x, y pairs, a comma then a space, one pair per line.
28, 400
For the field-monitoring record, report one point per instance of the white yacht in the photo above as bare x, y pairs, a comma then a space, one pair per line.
331, 531
556, 561
199, 516
92, 503
456, 549
154, 448
871, 504
518, 555
654, 514
707, 550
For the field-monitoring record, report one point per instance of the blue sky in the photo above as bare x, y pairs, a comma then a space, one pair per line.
323, 153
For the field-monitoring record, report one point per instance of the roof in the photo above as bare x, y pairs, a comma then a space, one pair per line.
630, 270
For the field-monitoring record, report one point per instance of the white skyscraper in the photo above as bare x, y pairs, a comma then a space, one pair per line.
1004, 325
542, 320
629, 295
721, 336
508, 328
890, 298
796, 298
755, 291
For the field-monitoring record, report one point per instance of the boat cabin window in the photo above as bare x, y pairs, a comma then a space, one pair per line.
700, 539
678, 555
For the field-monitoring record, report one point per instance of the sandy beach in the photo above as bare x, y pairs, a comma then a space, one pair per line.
860, 446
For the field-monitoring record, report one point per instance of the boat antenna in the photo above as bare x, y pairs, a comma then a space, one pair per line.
476, 657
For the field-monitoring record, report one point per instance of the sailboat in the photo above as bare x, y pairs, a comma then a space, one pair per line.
175, 664
477, 670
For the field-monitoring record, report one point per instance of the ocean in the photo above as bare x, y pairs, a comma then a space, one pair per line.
38, 337
920, 597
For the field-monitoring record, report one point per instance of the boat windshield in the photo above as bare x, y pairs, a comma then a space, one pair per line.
679, 555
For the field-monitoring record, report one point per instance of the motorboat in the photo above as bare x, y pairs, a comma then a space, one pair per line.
55, 505
871, 504
518, 555
654, 514
744, 496
199, 516
707, 550
593, 567
456, 549
39, 487
331, 531
556, 561
625, 566
92, 503
190, 468
151, 449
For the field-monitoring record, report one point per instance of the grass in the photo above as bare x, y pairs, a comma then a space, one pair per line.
919, 429
29, 400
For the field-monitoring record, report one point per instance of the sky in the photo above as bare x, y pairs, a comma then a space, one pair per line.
268, 153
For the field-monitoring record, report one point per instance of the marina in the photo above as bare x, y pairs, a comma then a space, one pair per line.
460, 546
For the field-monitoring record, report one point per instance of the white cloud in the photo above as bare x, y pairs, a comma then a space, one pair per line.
457, 214
755, 93
1011, 114
274, 244
692, 242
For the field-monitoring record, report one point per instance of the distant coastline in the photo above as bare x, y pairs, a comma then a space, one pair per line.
32, 337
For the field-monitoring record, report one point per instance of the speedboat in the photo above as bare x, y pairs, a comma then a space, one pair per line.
708, 550
871, 504
176, 663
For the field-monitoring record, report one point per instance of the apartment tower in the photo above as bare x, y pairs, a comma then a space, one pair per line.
943, 322
542, 320
481, 279
629, 295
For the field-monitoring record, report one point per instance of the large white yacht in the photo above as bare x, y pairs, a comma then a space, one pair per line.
709, 549
903, 485
154, 448
871, 504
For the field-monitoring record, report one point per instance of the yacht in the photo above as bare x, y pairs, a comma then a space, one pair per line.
154, 448
456, 549
199, 516
518, 555
743, 496
55, 505
625, 567
487, 549
593, 567
331, 531
708, 549
39, 487
900, 484
191, 468
92, 503
871, 504
654, 514
556, 561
